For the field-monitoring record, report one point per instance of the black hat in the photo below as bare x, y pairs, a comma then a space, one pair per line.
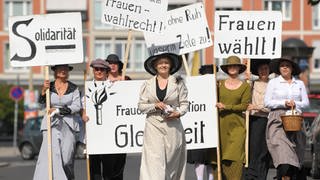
207, 69
275, 65
233, 60
176, 62
114, 59
99, 63
256, 63
53, 68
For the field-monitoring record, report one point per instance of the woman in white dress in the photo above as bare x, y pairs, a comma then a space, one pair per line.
163, 98
283, 93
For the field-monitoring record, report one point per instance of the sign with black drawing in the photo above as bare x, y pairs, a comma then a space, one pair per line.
50, 39
116, 125
247, 34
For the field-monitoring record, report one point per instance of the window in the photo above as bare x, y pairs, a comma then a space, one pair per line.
284, 6
138, 52
316, 57
7, 67
16, 8
229, 9
316, 64
102, 48
316, 17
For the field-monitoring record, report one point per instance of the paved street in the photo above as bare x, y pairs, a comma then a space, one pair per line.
12, 167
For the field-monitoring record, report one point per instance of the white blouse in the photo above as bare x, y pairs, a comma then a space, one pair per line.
279, 90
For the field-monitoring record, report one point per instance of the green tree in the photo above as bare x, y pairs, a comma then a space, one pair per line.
7, 110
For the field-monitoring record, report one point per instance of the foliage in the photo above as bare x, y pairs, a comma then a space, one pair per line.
7, 109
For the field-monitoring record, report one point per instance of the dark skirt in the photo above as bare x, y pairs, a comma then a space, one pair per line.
259, 157
200, 156
112, 166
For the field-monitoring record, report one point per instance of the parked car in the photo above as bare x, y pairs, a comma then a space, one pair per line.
311, 125
30, 139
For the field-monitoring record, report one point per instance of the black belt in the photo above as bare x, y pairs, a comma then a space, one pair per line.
285, 109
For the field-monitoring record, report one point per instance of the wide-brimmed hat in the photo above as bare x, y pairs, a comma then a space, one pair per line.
99, 63
175, 60
114, 59
231, 61
256, 63
275, 65
207, 69
53, 68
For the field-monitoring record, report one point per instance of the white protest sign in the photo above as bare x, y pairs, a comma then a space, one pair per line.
247, 34
50, 39
142, 15
186, 30
116, 125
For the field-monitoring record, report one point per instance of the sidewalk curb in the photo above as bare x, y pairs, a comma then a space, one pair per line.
4, 164
9, 152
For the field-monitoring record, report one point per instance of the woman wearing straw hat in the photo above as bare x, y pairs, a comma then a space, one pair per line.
164, 99
234, 97
258, 150
284, 93
64, 103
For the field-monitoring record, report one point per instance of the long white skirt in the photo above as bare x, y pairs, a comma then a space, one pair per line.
63, 146
164, 151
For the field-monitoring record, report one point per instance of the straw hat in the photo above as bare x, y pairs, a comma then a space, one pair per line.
256, 63
275, 65
231, 61
175, 60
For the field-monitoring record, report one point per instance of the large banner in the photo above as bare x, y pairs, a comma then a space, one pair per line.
116, 125
40, 40
248, 34
186, 30
142, 15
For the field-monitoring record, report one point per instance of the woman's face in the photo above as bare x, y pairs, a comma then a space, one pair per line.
62, 72
114, 67
163, 66
263, 71
285, 69
233, 69
100, 74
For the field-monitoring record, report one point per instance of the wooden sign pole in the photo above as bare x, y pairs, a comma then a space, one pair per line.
85, 74
247, 121
185, 64
218, 129
126, 57
46, 70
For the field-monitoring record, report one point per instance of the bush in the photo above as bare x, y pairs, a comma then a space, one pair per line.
7, 111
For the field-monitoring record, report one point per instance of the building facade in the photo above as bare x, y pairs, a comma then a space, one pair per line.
300, 21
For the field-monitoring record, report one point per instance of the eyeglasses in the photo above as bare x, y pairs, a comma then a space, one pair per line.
99, 69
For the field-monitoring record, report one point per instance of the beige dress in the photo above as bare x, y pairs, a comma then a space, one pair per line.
164, 146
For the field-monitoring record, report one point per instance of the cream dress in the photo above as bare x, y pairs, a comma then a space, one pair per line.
164, 145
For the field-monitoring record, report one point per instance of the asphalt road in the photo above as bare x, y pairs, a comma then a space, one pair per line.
18, 169
14, 168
